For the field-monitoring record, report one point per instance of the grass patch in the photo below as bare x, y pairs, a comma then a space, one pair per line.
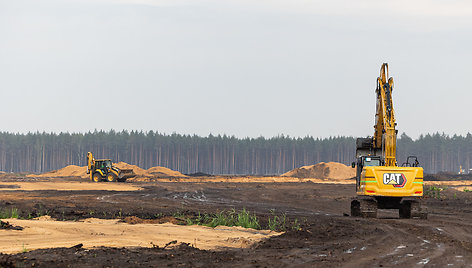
24, 249
231, 217
433, 192
245, 219
281, 223
12, 213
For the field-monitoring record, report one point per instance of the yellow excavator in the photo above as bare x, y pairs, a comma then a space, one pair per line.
104, 170
380, 182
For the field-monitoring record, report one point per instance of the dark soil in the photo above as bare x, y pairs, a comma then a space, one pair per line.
7, 226
447, 176
326, 237
199, 174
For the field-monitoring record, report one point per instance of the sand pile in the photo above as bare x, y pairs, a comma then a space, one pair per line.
329, 171
161, 172
137, 170
76, 171
69, 171
164, 172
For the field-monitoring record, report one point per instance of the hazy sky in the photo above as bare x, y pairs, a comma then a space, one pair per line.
244, 68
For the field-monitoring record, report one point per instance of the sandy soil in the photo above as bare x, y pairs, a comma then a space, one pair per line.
94, 232
463, 188
66, 186
251, 179
322, 170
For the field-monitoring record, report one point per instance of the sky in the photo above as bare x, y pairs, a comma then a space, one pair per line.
243, 68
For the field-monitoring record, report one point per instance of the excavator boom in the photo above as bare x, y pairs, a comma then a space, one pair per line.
385, 136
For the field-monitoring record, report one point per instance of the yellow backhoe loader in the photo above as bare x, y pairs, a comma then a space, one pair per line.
103, 170
380, 182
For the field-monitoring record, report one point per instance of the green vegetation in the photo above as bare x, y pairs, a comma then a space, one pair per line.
227, 218
9, 213
277, 223
281, 223
467, 190
24, 249
232, 217
244, 219
433, 191
178, 214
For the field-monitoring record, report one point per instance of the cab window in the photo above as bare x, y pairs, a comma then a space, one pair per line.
370, 162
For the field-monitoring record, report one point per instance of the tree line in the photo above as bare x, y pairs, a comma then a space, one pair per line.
214, 154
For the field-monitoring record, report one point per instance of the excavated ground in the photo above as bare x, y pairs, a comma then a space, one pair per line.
328, 237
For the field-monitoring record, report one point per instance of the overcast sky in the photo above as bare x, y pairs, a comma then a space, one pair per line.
243, 67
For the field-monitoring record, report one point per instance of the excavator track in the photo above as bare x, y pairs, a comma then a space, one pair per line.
412, 209
407, 209
365, 208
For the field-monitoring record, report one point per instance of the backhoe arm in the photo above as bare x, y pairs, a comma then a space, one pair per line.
90, 164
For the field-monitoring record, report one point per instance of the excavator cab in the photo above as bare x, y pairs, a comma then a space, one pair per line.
411, 161
365, 161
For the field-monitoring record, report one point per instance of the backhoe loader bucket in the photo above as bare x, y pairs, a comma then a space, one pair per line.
125, 174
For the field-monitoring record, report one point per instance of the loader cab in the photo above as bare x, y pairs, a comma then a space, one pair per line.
103, 164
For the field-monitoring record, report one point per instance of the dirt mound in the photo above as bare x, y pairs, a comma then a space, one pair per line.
69, 171
326, 171
164, 172
150, 173
137, 170
76, 171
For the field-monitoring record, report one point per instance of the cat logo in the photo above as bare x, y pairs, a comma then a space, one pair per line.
396, 179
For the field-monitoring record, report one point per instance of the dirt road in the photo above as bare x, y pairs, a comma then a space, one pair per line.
327, 237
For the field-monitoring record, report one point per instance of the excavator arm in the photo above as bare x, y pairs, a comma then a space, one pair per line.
385, 137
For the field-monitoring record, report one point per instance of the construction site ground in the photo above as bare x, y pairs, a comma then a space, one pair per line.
77, 223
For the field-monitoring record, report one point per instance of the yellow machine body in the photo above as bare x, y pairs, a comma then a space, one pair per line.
104, 170
391, 181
